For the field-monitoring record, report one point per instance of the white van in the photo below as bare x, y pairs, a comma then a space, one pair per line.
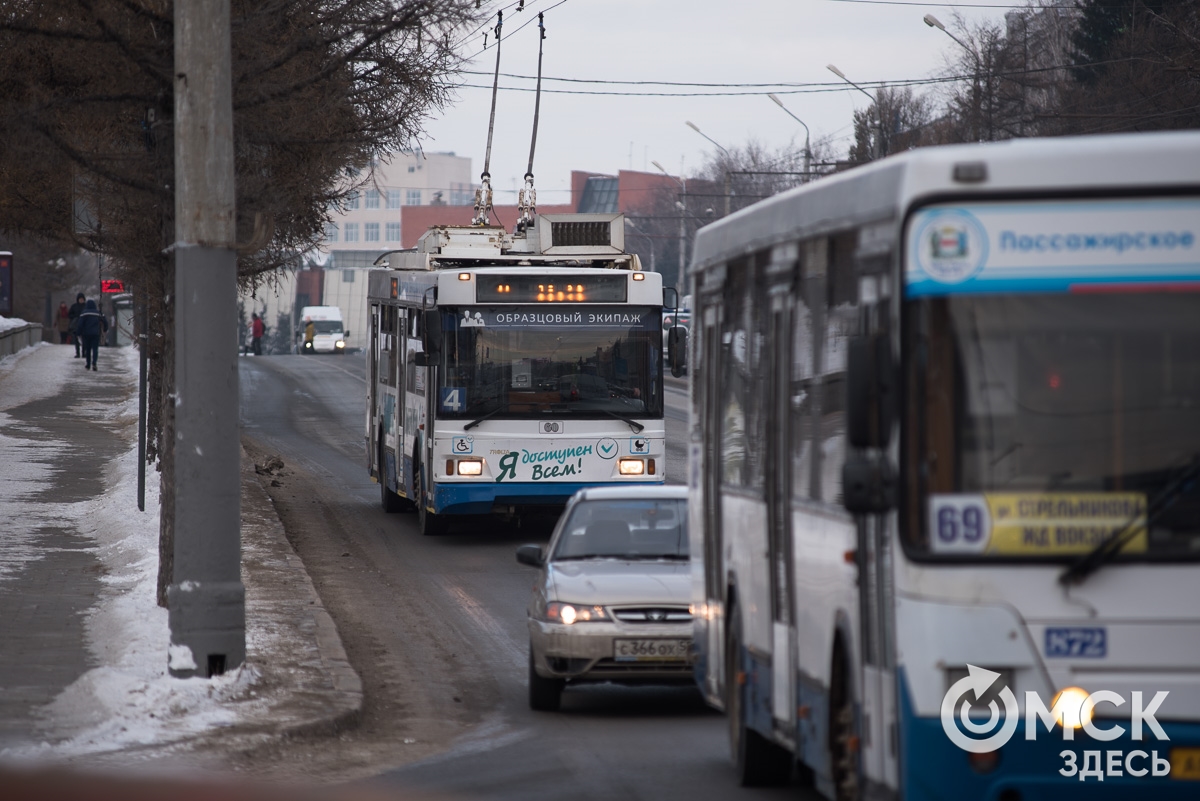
328, 333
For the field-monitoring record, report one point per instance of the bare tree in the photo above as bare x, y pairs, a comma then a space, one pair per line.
319, 87
1137, 68
898, 120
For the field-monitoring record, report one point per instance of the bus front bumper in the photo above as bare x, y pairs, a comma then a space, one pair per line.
481, 499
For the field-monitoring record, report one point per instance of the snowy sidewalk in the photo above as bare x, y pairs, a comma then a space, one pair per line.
83, 666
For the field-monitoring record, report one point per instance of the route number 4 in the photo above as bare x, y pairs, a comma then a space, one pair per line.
452, 400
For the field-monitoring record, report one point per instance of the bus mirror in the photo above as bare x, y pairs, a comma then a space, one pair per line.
432, 324
870, 391
677, 350
419, 360
670, 298
868, 484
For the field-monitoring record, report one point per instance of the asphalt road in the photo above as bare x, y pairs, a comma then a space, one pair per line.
449, 613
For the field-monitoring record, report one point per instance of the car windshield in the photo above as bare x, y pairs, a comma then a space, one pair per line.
517, 361
327, 326
652, 528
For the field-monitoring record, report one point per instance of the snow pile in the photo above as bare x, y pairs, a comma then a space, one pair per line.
130, 699
8, 323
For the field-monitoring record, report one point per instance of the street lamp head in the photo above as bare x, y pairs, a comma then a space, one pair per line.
776, 100
933, 22
835, 71
658, 166
692, 125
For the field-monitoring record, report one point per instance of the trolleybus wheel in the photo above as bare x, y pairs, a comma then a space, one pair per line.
759, 762
430, 524
545, 695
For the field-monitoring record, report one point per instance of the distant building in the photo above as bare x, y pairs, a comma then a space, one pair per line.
372, 218
407, 196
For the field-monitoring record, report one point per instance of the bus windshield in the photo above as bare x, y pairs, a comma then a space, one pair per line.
515, 362
1039, 424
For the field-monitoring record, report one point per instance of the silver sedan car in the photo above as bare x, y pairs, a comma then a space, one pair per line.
611, 599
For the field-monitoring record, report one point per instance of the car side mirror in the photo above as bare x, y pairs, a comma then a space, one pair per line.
346, 334
530, 555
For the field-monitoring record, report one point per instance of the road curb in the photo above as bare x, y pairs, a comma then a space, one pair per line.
332, 699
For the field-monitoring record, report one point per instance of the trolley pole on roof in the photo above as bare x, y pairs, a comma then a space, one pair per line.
206, 598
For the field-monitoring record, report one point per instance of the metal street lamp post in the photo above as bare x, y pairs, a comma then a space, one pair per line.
875, 146
934, 22
728, 160
807, 152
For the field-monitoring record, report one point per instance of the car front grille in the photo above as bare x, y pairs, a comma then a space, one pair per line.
652, 614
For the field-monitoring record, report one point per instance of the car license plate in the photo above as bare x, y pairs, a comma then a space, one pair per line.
1185, 763
650, 650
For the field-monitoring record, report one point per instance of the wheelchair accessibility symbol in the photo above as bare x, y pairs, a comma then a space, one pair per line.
463, 444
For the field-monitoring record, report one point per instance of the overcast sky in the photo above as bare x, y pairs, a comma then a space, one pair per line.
692, 41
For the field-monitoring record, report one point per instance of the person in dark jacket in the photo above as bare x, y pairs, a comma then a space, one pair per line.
91, 326
73, 320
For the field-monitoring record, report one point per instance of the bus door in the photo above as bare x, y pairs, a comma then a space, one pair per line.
373, 466
879, 714
778, 360
714, 551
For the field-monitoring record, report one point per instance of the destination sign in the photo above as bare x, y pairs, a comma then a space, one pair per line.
584, 288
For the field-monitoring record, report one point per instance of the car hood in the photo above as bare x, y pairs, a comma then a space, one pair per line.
611, 582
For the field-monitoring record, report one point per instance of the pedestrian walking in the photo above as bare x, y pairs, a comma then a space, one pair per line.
257, 329
73, 321
90, 326
62, 322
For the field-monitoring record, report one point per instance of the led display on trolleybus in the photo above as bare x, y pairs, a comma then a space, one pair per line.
552, 289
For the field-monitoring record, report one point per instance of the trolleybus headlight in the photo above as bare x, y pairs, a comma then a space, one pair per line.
1073, 707
568, 614
631, 467
470, 467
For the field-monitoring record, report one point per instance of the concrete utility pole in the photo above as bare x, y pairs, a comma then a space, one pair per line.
206, 600
681, 277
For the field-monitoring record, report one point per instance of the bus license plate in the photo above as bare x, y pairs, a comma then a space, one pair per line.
1185, 763
650, 650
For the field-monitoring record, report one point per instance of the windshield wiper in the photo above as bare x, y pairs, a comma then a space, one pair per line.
1183, 481
634, 424
487, 416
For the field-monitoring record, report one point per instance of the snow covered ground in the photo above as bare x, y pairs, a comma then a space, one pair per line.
128, 700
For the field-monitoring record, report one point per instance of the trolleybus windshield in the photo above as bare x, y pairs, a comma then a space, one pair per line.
1049, 409
516, 362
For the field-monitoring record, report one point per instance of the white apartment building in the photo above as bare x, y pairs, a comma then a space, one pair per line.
371, 219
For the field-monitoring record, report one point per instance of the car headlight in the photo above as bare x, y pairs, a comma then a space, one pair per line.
340, 344
568, 614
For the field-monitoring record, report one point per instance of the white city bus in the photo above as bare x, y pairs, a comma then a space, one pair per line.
945, 432
507, 371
